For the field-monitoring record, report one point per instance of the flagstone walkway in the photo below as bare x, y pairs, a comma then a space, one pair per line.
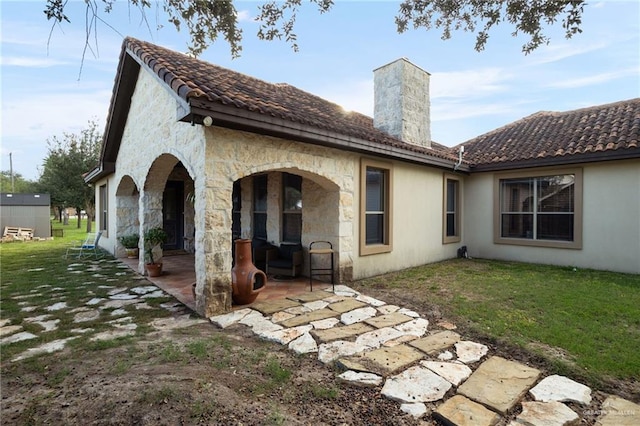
419, 365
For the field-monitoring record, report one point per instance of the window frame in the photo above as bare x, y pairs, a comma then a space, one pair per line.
289, 213
103, 208
387, 245
457, 237
262, 213
540, 173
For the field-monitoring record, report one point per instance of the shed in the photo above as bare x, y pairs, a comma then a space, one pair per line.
26, 211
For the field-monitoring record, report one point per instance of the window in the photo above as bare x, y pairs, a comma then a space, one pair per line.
103, 208
544, 210
291, 208
375, 207
236, 211
451, 210
260, 207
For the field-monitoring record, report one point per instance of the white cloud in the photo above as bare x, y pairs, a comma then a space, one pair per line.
245, 16
30, 62
469, 83
591, 80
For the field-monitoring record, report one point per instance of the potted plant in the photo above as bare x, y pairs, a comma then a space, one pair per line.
153, 238
130, 243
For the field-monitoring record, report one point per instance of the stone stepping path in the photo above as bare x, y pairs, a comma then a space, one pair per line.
112, 308
392, 348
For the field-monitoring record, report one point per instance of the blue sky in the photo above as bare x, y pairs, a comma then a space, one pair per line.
44, 95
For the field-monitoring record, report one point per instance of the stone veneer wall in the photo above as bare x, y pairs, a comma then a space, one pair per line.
152, 133
328, 183
401, 102
153, 142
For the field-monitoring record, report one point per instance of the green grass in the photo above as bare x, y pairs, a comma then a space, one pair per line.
591, 319
35, 275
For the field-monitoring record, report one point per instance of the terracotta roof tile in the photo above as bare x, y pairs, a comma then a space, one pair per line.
190, 77
610, 130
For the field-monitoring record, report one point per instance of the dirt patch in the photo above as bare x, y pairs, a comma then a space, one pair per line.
200, 375
204, 375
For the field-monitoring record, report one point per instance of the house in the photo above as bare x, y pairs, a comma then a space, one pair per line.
212, 155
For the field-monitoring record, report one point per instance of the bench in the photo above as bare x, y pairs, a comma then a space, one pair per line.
13, 233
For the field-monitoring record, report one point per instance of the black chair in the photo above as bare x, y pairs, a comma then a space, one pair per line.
284, 260
259, 248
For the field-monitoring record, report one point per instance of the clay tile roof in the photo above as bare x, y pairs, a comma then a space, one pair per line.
193, 78
611, 130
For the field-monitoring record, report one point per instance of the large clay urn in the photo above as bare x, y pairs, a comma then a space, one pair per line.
247, 280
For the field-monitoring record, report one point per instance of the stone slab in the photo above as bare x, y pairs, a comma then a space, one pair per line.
9, 329
416, 327
360, 378
312, 296
388, 309
388, 320
452, 372
547, 414
416, 410
347, 305
377, 337
370, 300
286, 335
329, 352
436, 342
308, 317
499, 383
383, 361
616, 411
358, 315
341, 333
281, 316
561, 389
470, 352
325, 323
304, 344
461, 411
414, 385
269, 307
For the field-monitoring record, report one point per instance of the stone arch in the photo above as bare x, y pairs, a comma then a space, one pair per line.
127, 210
324, 216
165, 166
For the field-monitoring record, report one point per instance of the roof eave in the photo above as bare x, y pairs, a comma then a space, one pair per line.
592, 157
239, 119
102, 171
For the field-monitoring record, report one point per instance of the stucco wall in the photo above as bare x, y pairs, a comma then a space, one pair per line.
417, 223
611, 221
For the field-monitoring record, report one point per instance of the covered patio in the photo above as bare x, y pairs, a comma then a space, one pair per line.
179, 275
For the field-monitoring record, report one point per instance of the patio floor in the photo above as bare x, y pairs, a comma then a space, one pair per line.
178, 276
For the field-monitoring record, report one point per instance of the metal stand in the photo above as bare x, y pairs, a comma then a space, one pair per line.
321, 248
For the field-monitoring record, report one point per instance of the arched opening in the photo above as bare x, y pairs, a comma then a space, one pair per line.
127, 207
284, 207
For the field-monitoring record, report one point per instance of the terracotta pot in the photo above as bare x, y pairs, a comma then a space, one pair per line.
247, 280
153, 269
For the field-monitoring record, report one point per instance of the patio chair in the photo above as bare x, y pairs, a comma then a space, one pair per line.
87, 248
284, 260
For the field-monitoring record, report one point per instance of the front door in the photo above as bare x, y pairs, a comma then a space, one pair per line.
173, 214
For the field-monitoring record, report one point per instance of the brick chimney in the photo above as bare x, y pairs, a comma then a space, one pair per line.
401, 102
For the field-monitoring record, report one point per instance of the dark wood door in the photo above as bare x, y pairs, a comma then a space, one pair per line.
173, 214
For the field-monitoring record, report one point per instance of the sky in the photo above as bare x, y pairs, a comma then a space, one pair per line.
48, 90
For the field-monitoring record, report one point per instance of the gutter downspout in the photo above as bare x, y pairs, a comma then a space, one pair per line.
460, 152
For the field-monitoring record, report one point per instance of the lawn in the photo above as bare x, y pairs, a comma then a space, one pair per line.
585, 322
